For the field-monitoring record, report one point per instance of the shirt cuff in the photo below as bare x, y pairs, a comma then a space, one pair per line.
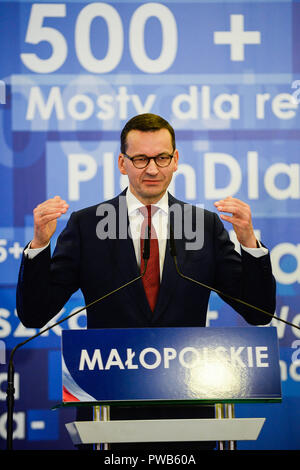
32, 252
256, 252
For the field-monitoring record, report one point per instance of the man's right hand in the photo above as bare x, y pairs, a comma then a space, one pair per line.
45, 220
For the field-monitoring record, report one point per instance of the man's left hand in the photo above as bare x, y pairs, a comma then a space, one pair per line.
240, 219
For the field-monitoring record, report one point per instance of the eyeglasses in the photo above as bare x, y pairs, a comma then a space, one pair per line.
141, 161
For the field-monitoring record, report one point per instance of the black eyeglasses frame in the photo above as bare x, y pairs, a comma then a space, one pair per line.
132, 159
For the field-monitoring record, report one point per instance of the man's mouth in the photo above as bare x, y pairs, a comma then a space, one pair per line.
151, 181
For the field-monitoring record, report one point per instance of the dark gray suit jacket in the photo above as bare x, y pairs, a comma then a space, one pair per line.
82, 261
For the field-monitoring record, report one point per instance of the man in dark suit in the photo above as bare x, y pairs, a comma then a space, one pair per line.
91, 255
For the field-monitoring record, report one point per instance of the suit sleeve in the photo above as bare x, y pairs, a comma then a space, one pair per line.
46, 283
244, 277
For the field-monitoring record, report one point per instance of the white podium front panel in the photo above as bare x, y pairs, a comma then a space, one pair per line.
174, 430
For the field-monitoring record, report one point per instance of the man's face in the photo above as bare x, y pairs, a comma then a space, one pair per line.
148, 184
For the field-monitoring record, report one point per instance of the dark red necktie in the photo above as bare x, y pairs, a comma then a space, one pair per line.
151, 279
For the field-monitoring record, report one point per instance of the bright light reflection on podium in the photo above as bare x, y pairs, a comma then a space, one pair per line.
220, 379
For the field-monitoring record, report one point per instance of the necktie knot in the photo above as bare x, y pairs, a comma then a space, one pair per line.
148, 212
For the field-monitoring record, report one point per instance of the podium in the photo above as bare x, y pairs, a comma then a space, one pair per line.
177, 366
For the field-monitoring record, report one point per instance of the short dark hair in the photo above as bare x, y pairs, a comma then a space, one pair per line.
146, 123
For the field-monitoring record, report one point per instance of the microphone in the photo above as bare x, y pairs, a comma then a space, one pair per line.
146, 247
173, 253
10, 373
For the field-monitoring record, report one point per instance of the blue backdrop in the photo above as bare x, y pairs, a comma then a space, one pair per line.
226, 75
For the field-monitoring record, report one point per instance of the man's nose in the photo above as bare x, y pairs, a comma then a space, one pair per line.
152, 168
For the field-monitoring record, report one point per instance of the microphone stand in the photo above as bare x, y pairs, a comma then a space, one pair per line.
10, 374
174, 256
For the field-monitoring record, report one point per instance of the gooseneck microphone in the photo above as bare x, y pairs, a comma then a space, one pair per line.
146, 247
10, 374
173, 253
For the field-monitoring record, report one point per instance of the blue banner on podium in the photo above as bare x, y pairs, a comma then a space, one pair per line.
171, 364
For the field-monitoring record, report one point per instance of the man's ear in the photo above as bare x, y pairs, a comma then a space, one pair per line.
121, 164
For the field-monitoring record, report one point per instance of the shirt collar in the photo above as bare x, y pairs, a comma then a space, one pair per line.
134, 204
